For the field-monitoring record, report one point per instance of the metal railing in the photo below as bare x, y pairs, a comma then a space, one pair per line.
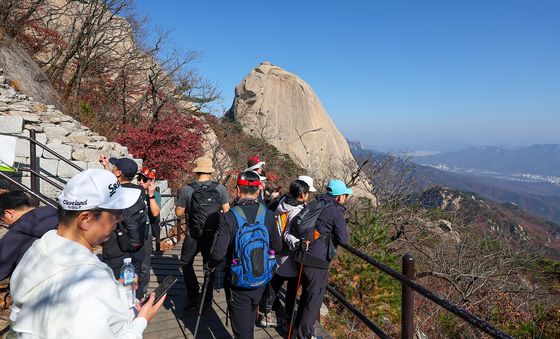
34, 169
409, 286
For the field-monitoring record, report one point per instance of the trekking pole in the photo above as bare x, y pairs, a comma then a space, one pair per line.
227, 313
204, 288
295, 298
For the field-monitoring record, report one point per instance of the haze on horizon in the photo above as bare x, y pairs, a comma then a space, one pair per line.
431, 75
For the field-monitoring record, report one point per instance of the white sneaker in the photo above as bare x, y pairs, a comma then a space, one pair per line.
267, 320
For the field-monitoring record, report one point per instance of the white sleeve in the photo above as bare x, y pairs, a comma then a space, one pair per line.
292, 241
101, 313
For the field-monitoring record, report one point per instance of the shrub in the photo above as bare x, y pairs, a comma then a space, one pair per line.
170, 145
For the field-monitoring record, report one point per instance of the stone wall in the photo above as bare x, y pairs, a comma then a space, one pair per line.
63, 134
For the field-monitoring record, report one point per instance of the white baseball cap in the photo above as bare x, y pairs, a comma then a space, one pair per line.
96, 188
309, 181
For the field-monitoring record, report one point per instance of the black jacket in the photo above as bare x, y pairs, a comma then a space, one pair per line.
330, 221
223, 243
28, 228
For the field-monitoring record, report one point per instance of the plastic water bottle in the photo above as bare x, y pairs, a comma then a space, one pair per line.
272, 258
127, 275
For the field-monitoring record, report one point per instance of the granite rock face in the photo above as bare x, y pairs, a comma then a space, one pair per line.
281, 108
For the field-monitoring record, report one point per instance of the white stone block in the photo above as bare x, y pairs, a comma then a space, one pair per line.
86, 154
29, 117
22, 149
9, 124
48, 167
64, 150
49, 190
56, 131
67, 171
168, 208
162, 184
94, 164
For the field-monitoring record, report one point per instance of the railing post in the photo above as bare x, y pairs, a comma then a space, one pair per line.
33, 162
407, 310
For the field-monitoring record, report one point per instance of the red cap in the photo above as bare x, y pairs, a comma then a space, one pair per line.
148, 173
252, 161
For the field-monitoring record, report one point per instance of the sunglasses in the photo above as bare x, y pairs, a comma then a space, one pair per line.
142, 178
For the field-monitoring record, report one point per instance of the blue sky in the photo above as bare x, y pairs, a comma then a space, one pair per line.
420, 75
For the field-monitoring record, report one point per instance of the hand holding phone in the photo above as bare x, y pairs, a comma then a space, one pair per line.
162, 289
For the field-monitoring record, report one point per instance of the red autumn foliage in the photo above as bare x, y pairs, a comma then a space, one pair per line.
169, 145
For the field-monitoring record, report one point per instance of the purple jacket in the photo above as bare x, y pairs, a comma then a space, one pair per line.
28, 228
331, 220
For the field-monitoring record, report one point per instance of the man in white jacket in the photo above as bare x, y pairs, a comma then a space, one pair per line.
60, 288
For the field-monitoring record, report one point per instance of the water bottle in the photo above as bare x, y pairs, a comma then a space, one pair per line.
127, 275
271, 255
272, 258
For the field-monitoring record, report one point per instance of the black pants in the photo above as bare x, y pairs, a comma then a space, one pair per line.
271, 294
314, 285
138, 257
191, 247
242, 309
156, 232
146, 265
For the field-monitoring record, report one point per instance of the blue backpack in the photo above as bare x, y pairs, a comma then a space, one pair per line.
251, 267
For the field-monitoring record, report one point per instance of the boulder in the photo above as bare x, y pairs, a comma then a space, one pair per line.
279, 107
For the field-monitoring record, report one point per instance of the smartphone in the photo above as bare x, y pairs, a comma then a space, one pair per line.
162, 288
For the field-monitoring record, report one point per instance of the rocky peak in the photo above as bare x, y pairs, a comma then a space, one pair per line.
282, 109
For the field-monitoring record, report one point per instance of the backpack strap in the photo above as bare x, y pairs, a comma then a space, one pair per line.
242, 218
261, 214
195, 185
324, 237
239, 216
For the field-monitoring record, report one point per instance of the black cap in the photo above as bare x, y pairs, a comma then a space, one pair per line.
128, 167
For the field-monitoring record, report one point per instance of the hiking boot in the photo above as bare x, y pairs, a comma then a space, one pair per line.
267, 320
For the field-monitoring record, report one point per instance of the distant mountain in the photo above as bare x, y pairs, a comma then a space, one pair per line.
500, 217
541, 160
540, 198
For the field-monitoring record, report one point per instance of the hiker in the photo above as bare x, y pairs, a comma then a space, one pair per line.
127, 241
267, 194
26, 224
320, 235
201, 201
289, 206
147, 178
245, 237
60, 288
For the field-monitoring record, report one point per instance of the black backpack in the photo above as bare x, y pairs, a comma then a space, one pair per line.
304, 225
204, 209
131, 231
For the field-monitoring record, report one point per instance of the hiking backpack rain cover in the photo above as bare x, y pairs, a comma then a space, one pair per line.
252, 267
204, 209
